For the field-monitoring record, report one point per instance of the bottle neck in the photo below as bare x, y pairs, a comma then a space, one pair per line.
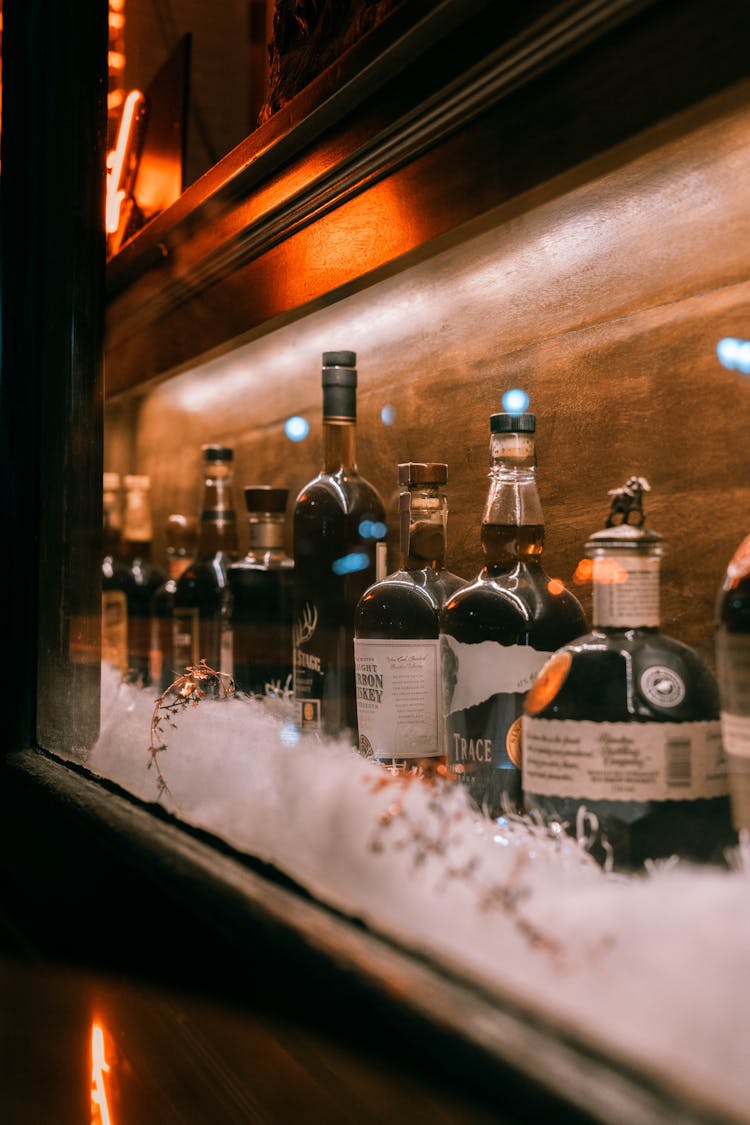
218, 527
424, 520
626, 592
339, 445
177, 563
512, 524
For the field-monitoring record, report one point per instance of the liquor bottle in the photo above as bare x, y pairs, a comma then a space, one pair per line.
624, 722
181, 533
497, 632
338, 519
397, 634
201, 626
261, 589
114, 578
143, 576
733, 668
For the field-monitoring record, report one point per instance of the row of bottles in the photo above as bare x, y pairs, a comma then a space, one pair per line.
496, 682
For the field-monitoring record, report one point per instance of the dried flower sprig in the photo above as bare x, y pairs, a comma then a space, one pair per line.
186, 690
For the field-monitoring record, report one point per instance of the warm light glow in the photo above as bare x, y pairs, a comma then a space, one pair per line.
583, 572
548, 683
116, 160
555, 587
100, 1114
116, 60
116, 20
609, 572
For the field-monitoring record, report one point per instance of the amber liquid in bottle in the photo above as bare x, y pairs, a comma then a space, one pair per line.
397, 628
338, 519
201, 626
498, 631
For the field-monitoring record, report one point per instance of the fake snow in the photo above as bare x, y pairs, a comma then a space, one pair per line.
654, 970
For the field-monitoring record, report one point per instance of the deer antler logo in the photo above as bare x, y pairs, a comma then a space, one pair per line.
306, 626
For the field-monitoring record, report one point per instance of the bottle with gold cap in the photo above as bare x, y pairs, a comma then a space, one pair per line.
622, 724
397, 630
143, 576
181, 534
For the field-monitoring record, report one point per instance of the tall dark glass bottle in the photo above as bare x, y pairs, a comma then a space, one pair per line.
201, 626
261, 589
624, 721
143, 576
498, 632
114, 578
733, 668
181, 533
338, 519
396, 634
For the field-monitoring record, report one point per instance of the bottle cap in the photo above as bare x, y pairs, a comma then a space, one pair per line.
620, 534
111, 482
135, 480
423, 472
512, 423
339, 369
181, 531
218, 453
264, 498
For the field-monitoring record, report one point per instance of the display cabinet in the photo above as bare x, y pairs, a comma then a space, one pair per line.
473, 197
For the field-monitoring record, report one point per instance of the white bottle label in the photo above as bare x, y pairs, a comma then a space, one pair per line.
474, 673
623, 761
398, 698
735, 733
626, 592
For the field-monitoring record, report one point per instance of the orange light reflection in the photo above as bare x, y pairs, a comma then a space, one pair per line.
100, 1114
116, 160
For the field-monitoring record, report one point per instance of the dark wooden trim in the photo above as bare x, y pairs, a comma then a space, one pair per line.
244, 921
53, 144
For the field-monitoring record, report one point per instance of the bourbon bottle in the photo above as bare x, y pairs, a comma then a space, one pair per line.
338, 519
733, 669
497, 632
397, 630
114, 578
261, 589
623, 723
143, 576
180, 532
201, 627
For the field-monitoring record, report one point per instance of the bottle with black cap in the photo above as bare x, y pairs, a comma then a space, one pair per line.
497, 632
622, 724
338, 520
261, 589
397, 630
201, 627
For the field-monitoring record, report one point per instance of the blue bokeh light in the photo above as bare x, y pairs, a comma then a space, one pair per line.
734, 354
296, 428
388, 414
515, 401
351, 563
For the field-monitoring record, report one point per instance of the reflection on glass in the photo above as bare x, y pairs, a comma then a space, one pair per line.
515, 401
734, 354
388, 414
100, 1114
296, 428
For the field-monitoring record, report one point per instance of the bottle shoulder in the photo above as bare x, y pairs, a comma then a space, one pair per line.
405, 604
348, 491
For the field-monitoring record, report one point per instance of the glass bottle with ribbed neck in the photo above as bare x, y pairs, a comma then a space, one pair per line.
498, 631
396, 631
261, 589
622, 724
143, 578
338, 520
201, 615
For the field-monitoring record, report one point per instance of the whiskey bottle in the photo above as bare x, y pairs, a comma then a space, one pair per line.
143, 577
338, 519
497, 632
181, 533
114, 578
261, 589
397, 630
624, 722
733, 669
201, 626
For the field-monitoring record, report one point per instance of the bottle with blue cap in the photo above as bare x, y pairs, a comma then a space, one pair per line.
498, 632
